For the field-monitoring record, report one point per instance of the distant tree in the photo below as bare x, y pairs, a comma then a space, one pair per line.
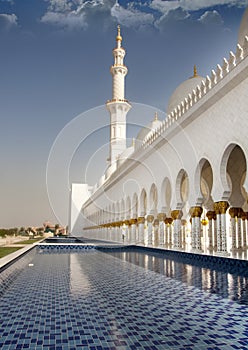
56, 227
40, 230
3, 232
22, 230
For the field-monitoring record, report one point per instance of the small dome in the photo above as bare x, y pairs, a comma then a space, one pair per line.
149, 128
183, 90
243, 29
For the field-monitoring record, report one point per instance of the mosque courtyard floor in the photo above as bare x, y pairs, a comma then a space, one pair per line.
105, 300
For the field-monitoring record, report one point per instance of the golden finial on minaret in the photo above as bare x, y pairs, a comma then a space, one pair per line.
119, 37
156, 116
195, 72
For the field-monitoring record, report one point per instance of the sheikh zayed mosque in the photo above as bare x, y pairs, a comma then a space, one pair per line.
183, 183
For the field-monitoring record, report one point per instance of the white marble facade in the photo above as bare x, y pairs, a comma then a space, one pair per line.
185, 181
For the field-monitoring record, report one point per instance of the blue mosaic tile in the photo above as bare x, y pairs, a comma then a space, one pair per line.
93, 300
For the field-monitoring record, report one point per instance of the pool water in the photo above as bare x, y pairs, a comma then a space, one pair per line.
94, 300
227, 282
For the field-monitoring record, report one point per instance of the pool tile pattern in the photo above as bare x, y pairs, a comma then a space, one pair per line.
92, 300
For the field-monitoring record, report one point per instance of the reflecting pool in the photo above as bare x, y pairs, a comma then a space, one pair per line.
96, 300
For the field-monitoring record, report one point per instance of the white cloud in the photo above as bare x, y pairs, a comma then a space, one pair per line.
131, 17
77, 14
173, 16
165, 6
8, 22
69, 20
59, 5
211, 17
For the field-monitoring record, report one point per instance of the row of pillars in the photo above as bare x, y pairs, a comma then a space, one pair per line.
161, 232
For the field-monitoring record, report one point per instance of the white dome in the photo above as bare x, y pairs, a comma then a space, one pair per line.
243, 29
147, 129
183, 90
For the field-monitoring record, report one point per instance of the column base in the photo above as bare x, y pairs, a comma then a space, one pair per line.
177, 249
222, 253
196, 251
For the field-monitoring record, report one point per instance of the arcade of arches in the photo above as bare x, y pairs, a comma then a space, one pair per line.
215, 225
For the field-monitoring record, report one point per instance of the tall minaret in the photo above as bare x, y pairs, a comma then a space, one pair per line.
118, 107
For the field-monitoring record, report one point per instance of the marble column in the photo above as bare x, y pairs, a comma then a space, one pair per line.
220, 210
211, 217
127, 229
177, 235
233, 212
239, 227
169, 231
150, 219
141, 232
119, 231
156, 232
196, 213
244, 219
161, 230
184, 224
133, 228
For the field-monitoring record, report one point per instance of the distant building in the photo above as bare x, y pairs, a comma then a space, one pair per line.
190, 169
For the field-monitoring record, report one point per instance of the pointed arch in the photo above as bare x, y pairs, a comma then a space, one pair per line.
135, 206
153, 199
182, 189
233, 173
128, 208
143, 203
122, 210
203, 184
166, 195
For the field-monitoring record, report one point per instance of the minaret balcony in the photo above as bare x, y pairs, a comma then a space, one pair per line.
117, 100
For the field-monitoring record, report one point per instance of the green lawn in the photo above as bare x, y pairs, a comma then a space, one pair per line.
29, 241
7, 250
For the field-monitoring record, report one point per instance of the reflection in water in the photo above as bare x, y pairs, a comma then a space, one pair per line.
228, 285
79, 282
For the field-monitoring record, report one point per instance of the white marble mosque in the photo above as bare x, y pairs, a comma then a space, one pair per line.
183, 184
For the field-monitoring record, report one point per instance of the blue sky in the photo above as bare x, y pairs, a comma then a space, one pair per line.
54, 61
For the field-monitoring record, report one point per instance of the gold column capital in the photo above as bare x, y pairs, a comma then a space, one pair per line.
161, 216
127, 222
141, 220
168, 221
240, 212
233, 212
150, 218
176, 214
221, 207
195, 212
244, 215
211, 215
184, 222
133, 221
